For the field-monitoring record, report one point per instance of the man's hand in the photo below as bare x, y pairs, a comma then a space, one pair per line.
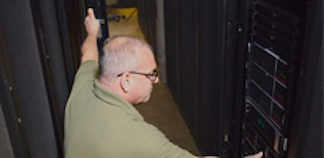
258, 155
89, 47
91, 23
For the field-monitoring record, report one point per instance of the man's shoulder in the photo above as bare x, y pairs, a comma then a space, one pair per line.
88, 71
89, 64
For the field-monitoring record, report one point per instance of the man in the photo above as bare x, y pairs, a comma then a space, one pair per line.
100, 120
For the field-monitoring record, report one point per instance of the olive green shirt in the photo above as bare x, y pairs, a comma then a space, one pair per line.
101, 124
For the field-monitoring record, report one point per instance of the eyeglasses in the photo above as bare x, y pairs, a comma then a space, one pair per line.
151, 76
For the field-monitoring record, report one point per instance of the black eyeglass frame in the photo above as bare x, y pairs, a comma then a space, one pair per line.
155, 74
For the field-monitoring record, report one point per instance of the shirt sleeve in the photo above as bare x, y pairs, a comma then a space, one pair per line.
87, 71
153, 143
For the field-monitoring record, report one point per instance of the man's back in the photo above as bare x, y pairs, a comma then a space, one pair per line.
99, 123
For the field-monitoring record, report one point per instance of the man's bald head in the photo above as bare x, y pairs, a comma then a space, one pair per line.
120, 54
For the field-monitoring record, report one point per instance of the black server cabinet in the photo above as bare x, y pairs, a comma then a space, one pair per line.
276, 47
243, 74
273, 50
195, 61
247, 55
39, 54
146, 10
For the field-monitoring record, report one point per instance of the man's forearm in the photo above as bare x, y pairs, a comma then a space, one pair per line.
90, 49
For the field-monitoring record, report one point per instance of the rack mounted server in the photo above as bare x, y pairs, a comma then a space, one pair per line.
272, 66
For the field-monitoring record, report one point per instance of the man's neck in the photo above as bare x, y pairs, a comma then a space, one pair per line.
115, 88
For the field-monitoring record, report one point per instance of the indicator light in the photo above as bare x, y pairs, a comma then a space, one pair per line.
261, 123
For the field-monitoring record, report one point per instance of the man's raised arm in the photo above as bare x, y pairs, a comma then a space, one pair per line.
89, 48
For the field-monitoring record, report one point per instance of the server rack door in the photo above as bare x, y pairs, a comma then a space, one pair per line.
200, 69
307, 125
38, 57
12, 138
25, 49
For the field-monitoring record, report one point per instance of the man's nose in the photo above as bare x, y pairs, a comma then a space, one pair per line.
156, 80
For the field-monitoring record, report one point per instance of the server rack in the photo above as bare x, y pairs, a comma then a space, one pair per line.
39, 54
274, 55
249, 57
270, 79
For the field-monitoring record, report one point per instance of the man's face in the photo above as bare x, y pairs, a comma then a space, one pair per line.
143, 86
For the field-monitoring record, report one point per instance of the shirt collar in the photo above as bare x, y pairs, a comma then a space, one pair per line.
115, 100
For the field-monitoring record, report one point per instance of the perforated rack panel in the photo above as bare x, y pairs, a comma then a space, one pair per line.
271, 70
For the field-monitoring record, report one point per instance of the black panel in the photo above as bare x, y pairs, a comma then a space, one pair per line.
195, 47
211, 75
241, 33
308, 116
56, 76
314, 137
171, 16
74, 13
147, 21
37, 69
188, 63
9, 107
70, 58
25, 61
230, 65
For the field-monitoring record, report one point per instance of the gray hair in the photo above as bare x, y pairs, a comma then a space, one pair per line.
120, 54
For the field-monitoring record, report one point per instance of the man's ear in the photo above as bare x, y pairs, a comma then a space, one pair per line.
125, 82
